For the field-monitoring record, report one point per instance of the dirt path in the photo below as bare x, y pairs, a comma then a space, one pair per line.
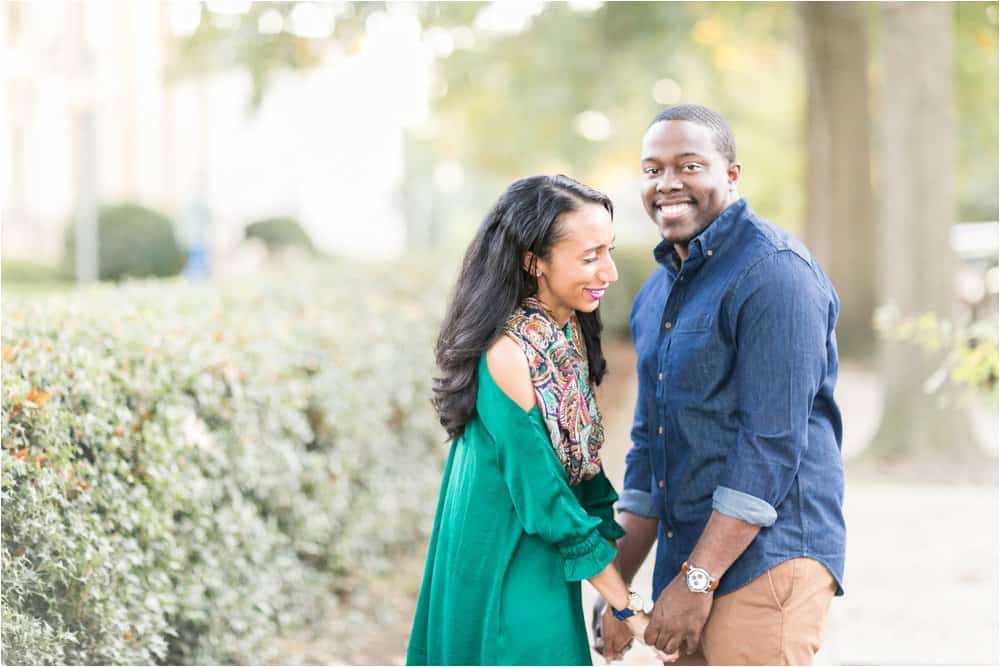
382, 616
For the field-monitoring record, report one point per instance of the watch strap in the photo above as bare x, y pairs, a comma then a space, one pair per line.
635, 605
623, 614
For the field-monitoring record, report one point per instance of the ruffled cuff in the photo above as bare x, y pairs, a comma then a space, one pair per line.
588, 557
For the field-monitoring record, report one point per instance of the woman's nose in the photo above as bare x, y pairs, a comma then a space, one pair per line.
608, 272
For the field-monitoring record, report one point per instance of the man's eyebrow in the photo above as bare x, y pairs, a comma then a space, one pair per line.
675, 157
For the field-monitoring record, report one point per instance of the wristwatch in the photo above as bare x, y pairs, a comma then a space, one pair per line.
635, 604
697, 579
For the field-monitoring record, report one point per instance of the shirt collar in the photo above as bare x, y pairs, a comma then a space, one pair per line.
708, 241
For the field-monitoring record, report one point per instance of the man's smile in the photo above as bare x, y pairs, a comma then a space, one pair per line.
670, 209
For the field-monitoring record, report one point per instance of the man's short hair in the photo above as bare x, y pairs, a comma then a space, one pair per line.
725, 141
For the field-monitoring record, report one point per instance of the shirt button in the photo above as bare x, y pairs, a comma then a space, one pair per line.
670, 534
709, 253
660, 484
660, 377
667, 325
660, 430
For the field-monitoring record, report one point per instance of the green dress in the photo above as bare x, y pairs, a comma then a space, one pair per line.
511, 542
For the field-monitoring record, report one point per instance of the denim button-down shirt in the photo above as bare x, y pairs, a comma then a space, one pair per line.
737, 362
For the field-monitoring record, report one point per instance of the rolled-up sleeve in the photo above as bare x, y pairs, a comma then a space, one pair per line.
636, 496
743, 506
780, 315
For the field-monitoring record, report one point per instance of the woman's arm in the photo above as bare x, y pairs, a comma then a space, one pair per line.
545, 503
611, 586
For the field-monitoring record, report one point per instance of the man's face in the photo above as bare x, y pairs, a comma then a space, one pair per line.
686, 182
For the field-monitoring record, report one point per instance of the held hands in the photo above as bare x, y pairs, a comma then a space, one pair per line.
618, 636
638, 625
678, 618
612, 639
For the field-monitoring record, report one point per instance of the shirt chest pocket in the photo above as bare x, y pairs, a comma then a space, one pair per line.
696, 357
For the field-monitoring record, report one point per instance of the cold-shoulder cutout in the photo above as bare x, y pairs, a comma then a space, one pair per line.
509, 369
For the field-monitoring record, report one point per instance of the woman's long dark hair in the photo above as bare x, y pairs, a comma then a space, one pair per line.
493, 281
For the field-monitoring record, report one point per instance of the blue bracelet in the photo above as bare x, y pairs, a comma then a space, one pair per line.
635, 603
623, 614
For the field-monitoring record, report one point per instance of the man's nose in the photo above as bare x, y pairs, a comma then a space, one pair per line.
669, 181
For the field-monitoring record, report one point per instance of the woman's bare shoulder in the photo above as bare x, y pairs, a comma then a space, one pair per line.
509, 368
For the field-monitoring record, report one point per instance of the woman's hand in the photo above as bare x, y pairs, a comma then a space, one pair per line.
617, 636
637, 624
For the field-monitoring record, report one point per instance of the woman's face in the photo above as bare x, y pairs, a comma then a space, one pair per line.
579, 267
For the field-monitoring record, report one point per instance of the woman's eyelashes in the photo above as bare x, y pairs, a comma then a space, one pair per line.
590, 259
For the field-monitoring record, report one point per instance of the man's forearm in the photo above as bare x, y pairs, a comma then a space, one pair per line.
640, 535
721, 543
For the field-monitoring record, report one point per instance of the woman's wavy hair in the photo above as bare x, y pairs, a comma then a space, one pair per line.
493, 280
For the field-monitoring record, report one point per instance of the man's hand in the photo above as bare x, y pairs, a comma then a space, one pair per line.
678, 619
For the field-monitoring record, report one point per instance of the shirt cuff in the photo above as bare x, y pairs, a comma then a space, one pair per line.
743, 506
637, 502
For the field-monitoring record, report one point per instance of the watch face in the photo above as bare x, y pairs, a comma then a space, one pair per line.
697, 579
635, 602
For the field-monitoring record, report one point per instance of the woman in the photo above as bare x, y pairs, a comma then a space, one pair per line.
525, 511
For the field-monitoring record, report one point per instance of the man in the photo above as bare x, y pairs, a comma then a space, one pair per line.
735, 469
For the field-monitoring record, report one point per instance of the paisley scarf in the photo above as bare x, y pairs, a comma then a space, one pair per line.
560, 374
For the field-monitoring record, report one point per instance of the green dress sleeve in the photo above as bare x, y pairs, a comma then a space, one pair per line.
543, 500
598, 498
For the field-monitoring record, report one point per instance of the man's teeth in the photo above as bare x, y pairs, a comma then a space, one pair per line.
674, 209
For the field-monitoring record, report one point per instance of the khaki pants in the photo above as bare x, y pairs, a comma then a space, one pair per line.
776, 619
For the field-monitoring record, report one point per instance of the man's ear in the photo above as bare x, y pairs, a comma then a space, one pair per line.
734, 171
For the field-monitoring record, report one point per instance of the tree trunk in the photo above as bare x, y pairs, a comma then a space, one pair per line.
917, 207
840, 213
87, 256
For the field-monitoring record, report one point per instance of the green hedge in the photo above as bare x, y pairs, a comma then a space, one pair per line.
190, 471
279, 233
132, 242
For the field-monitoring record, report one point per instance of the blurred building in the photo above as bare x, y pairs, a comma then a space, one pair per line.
324, 147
